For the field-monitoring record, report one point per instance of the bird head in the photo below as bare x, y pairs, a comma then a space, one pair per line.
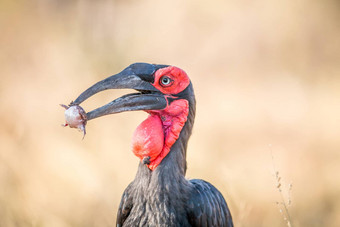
165, 92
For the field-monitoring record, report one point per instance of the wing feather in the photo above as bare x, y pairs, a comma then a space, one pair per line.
207, 207
125, 207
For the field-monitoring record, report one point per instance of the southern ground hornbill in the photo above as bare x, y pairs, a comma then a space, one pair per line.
160, 195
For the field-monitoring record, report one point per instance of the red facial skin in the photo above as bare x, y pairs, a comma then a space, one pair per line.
155, 136
180, 80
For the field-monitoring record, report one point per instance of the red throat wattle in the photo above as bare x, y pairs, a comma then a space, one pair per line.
155, 136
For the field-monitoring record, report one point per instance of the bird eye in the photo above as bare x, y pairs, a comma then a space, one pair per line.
165, 80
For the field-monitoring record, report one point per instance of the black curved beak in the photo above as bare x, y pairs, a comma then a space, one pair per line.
137, 76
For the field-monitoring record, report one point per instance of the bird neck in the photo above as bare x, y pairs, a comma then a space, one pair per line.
174, 162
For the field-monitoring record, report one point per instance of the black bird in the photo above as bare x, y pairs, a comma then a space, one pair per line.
160, 195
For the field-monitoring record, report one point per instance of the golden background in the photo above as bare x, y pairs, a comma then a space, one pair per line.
267, 81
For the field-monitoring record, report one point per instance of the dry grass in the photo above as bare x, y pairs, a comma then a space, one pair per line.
264, 72
282, 204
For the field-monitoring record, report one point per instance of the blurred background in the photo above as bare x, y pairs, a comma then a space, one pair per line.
267, 82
